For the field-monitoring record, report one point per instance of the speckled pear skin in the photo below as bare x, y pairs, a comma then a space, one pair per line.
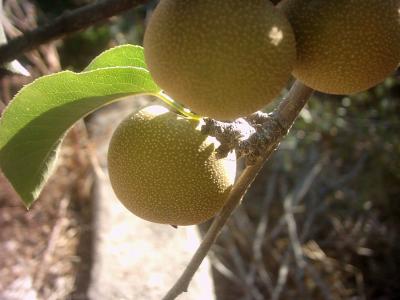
344, 46
222, 59
164, 170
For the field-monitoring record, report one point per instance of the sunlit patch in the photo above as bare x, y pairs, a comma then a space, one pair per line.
155, 110
155, 280
276, 35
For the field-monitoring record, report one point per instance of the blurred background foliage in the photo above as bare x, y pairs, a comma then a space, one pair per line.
322, 219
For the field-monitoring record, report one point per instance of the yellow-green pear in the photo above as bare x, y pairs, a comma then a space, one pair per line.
222, 59
164, 170
344, 46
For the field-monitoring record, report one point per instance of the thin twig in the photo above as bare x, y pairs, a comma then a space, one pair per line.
18, 20
258, 264
307, 225
251, 291
291, 200
292, 231
67, 23
300, 191
282, 277
285, 115
293, 237
222, 269
324, 288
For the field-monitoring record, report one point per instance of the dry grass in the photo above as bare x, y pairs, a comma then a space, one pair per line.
39, 248
305, 234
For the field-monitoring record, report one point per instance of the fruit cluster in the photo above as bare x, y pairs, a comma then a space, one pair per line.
228, 59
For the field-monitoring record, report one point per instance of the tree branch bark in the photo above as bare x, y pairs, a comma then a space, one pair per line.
67, 23
285, 115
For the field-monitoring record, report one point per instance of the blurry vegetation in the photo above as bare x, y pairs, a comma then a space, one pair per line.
54, 8
346, 221
344, 152
79, 48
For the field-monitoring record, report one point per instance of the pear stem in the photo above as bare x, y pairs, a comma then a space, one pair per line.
182, 110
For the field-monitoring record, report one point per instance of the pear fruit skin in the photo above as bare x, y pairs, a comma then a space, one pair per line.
164, 170
344, 46
222, 59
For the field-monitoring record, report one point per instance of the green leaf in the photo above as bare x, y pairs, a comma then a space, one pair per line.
33, 125
121, 56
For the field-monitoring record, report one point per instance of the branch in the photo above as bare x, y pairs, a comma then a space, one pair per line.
284, 116
69, 22
251, 137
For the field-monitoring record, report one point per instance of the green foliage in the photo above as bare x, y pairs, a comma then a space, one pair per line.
355, 130
88, 43
120, 56
53, 8
33, 125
